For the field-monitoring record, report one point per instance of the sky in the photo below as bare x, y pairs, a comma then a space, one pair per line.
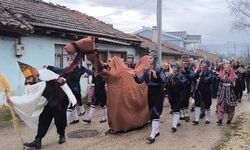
210, 18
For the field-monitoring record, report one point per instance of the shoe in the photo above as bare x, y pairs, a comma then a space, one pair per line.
207, 122
229, 122
61, 140
173, 129
182, 118
74, 121
81, 114
202, 115
178, 124
37, 144
239, 100
219, 123
157, 134
171, 112
187, 118
86, 120
103, 120
109, 131
195, 122
192, 109
151, 140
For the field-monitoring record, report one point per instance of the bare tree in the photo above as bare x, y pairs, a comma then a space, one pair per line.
241, 10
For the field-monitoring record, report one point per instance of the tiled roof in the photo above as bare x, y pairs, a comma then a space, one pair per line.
30, 14
167, 48
193, 38
180, 49
180, 34
148, 44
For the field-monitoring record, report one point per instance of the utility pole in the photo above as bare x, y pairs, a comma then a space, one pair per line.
248, 55
234, 49
159, 28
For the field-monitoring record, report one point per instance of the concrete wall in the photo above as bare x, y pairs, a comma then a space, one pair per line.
38, 51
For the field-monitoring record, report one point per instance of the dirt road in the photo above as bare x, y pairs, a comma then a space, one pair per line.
187, 137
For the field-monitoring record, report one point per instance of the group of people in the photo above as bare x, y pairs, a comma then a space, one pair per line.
196, 79
180, 80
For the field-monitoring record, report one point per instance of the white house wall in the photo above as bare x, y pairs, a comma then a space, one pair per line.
37, 52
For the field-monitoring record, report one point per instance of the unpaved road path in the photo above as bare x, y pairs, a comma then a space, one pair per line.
187, 137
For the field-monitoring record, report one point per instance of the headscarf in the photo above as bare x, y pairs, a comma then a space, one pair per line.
154, 54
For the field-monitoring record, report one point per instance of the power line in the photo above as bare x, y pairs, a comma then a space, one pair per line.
120, 12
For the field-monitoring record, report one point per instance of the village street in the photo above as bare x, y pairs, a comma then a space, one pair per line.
187, 137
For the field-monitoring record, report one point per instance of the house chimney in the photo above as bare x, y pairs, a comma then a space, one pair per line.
154, 35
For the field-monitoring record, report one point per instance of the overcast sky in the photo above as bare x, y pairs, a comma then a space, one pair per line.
209, 18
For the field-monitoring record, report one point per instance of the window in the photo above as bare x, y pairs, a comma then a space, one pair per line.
121, 55
103, 56
60, 56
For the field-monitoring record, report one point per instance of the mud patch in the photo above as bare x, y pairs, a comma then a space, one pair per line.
82, 134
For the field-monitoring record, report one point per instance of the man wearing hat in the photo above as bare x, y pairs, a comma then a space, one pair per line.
73, 80
189, 74
130, 61
203, 92
57, 97
155, 79
175, 84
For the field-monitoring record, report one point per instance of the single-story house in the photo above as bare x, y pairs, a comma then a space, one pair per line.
178, 38
35, 32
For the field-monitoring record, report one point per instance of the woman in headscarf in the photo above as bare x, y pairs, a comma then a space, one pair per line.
155, 79
226, 99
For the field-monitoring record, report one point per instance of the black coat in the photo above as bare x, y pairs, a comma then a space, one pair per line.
55, 96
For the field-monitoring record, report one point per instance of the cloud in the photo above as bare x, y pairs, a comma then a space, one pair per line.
209, 18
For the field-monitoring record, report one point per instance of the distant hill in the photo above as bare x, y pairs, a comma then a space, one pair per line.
226, 49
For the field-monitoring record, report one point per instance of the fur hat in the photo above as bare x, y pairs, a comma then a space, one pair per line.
28, 70
175, 65
130, 56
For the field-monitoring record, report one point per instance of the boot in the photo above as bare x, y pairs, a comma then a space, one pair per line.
173, 129
82, 110
229, 122
197, 115
91, 114
176, 119
219, 123
61, 139
75, 116
207, 113
155, 128
182, 114
37, 144
69, 114
186, 113
104, 115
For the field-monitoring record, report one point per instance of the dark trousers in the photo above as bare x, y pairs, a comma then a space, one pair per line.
175, 103
78, 96
238, 93
203, 96
248, 84
155, 101
185, 95
46, 117
99, 97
